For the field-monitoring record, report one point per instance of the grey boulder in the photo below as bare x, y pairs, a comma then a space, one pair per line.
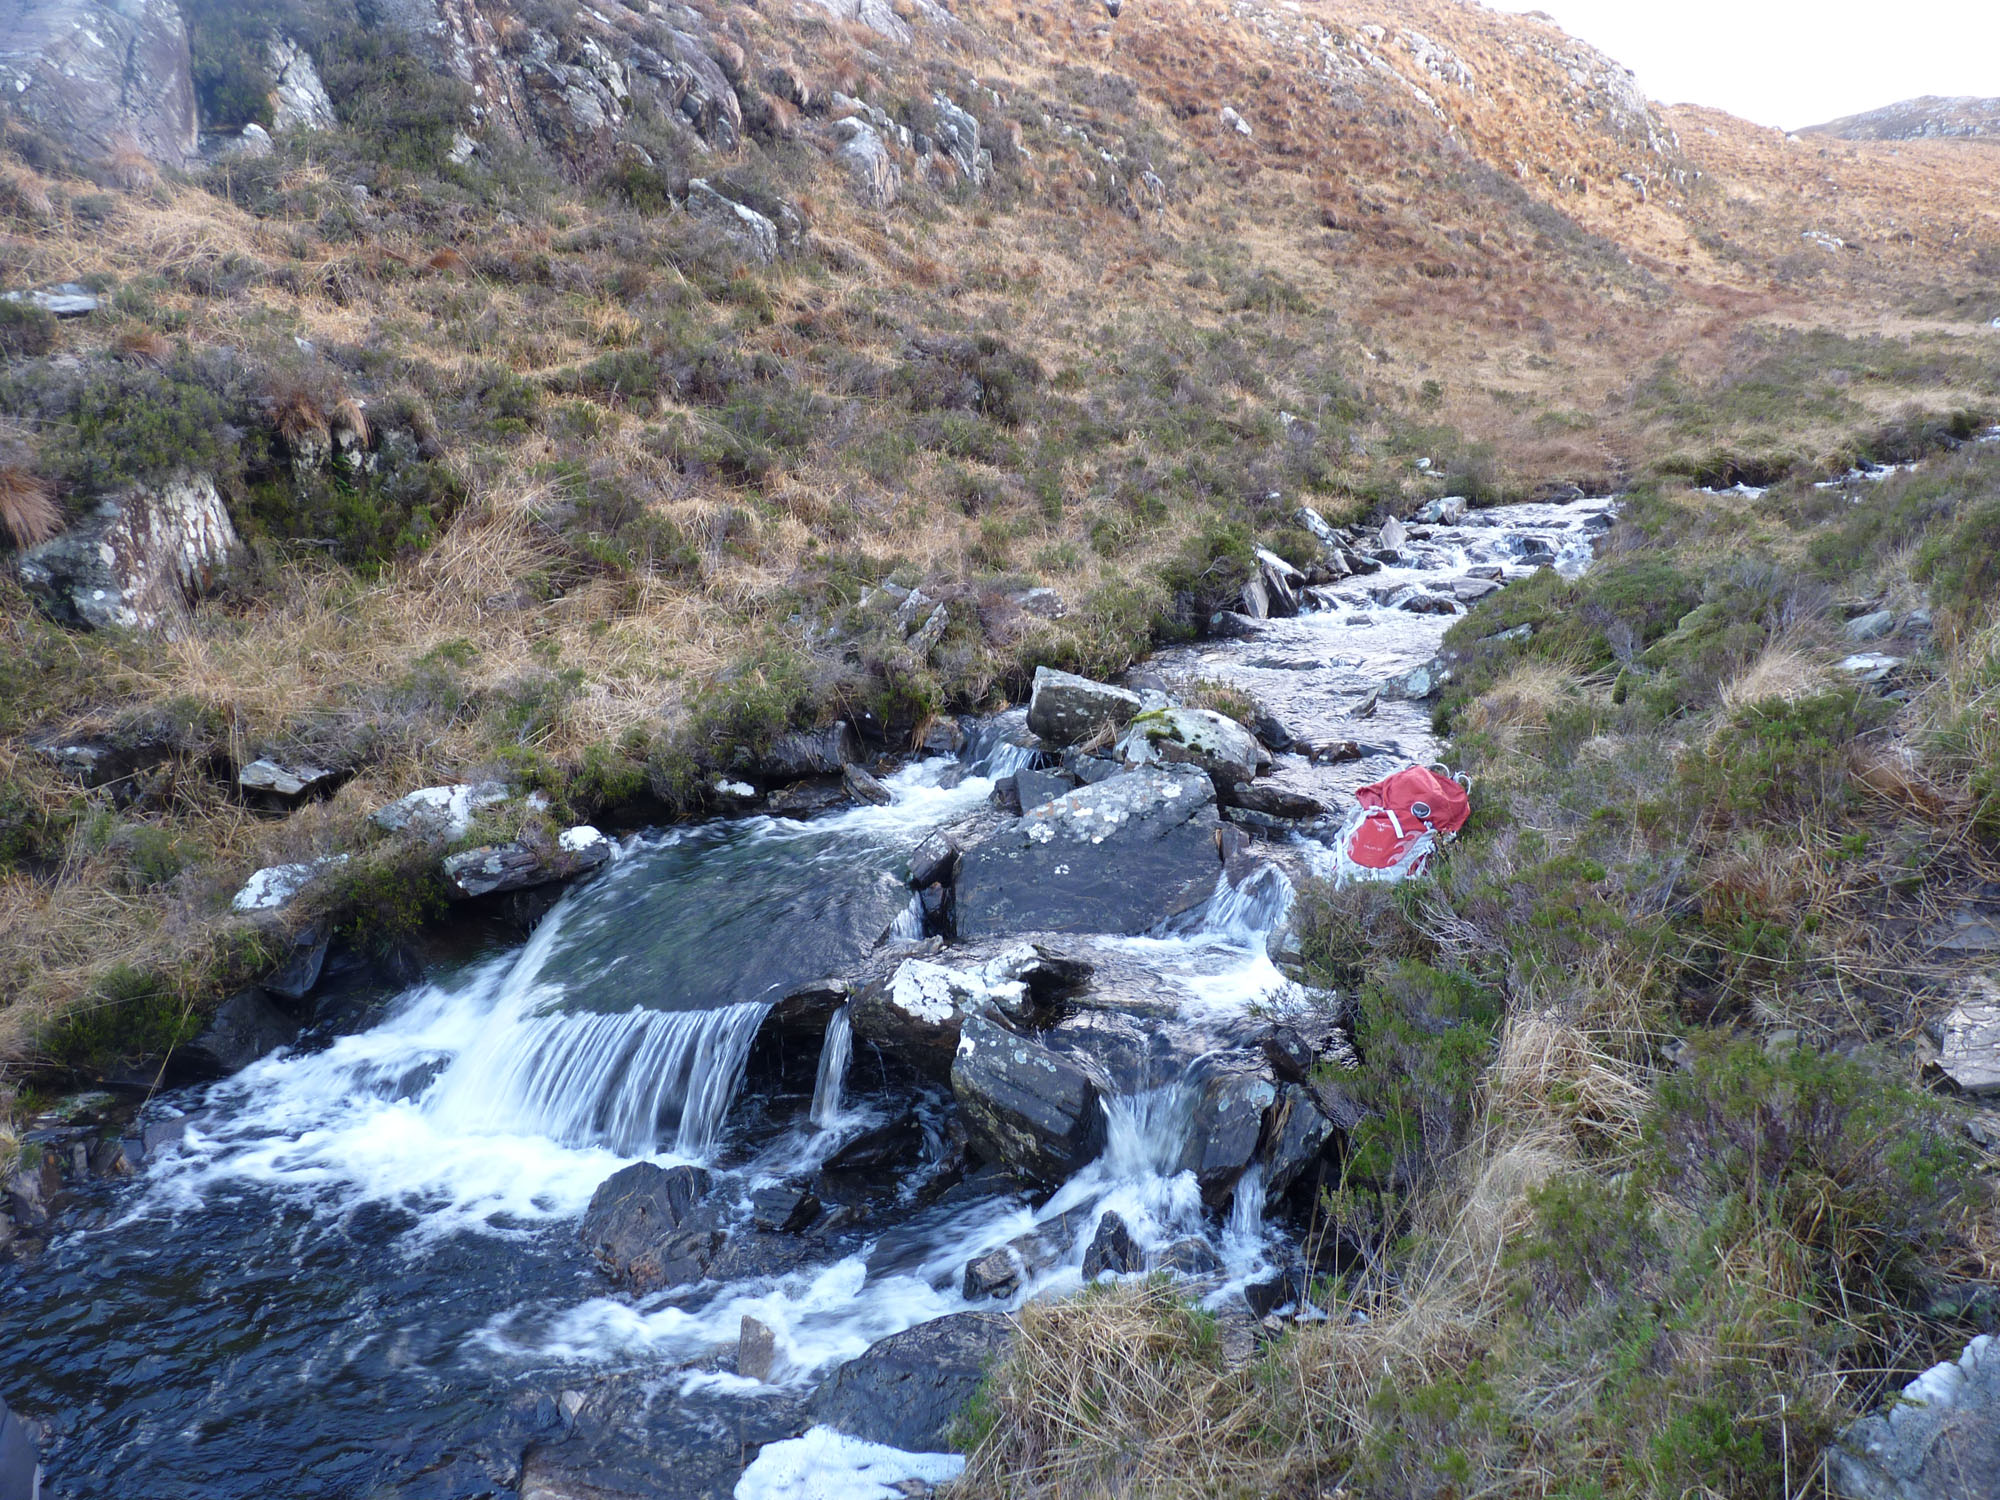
1228, 752
140, 560
1025, 1105
1940, 1441
1120, 856
1065, 708
907, 1391
754, 236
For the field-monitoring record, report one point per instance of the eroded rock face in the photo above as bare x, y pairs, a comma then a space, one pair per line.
1120, 856
139, 561
298, 99
102, 76
876, 179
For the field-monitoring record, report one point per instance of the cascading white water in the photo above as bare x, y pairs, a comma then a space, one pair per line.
1246, 1209
909, 924
834, 1053
1145, 1133
605, 1080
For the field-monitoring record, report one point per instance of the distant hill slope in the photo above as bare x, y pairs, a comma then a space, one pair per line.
1928, 118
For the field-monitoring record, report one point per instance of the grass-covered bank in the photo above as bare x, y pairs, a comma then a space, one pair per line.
1654, 1194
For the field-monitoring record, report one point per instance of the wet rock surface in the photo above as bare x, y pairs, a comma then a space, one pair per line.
1121, 856
1025, 1104
640, 1226
909, 1389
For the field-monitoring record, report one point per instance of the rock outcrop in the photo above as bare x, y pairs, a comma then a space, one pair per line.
102, 76
140, 560
871, 171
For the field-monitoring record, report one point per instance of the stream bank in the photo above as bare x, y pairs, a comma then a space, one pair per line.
377, 1230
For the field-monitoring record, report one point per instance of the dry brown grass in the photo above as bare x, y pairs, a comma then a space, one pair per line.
1123, 1391
1787, 670
28, 507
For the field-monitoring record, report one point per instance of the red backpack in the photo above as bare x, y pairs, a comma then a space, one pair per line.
1403, 818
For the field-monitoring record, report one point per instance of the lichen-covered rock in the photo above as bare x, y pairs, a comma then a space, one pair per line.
494, 868
1065, 708
755, 236
1968, 1041
1120, 856
1940, 1441
876, 179
1223, 748
1024, 1105
102, 76
918, 1013
440, 812
140, 560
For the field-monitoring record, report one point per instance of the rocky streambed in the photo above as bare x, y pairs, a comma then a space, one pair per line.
734, 1169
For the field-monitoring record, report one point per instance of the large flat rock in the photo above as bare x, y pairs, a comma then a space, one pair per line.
1119, 857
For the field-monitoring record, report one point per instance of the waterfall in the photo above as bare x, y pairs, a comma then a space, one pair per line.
1246, 914
833, 1056
909, 924
1246, 1208
618, 1081
1145, 1133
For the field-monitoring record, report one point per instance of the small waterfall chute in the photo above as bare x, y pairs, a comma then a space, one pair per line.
620, 1081
834, 1054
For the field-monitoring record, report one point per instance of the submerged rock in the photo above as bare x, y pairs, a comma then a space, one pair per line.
1024, 1104
908, 1390
641, 1227
1121, 856
1066, 708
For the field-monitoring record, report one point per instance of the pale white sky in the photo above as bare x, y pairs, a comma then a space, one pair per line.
1791, 62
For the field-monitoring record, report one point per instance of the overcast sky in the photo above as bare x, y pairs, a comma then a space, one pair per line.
1791, 62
